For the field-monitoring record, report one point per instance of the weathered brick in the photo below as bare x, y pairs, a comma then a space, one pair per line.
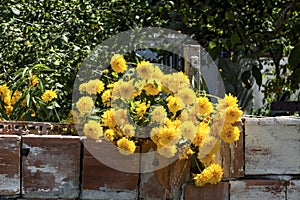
257, 189
100, 180
165, 182
51, 166
9, 165
271, 144
293, 190
219, 191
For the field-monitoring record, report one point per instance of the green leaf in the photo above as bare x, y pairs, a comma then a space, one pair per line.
257, 75
211, 45
294, 58
235, 38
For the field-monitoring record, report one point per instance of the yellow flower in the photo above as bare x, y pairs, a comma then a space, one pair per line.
159, 115
187, 96
152, 88
84, 104
176, 81
212, 174
108, 119
109, 134
227, 101
126, 147
34, 80
157, 74
167, 151
106, 97
202, 132
233, 114
118, 63
123, 89
8, 109
120, 117
175, 124
174, 104
49, 95
187, 154
205, 106
168, 136
93, 86
145, 70
73, 117
154, 134
188, 130
92, 129
82, 87
141, 109
230, 133
128, 130
16, 96
3, 90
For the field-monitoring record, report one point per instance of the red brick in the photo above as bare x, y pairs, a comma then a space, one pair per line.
219, 191
98, 176
9, 165
52, 167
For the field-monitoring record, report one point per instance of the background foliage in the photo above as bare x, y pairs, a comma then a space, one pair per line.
59, 34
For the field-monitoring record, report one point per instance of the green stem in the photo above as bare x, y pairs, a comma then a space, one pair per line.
57, 114
197, 164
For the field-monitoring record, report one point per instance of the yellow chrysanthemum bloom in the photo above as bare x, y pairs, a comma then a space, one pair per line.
93, 86
202, 132
141, 109
152, 88
154, 134
123, 89
168, 136
82, 87
3, 90
188, 130
84, 104
157, 74
212, 174
145, 70
126, 147
175, 124
227, 101
109, 134
34, 80
120, 117
16, 96
176, 81
8, 109
233, 114
93, 130
167, 151
187, 96
230, 133
158, 115
118, 63
187, 154
108, 119
205, 106
49, 95
174, 104
128, 130
106, 98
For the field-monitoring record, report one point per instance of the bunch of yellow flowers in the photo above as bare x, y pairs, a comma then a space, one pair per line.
147, 102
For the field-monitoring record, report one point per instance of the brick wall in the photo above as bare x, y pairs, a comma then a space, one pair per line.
263, 164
